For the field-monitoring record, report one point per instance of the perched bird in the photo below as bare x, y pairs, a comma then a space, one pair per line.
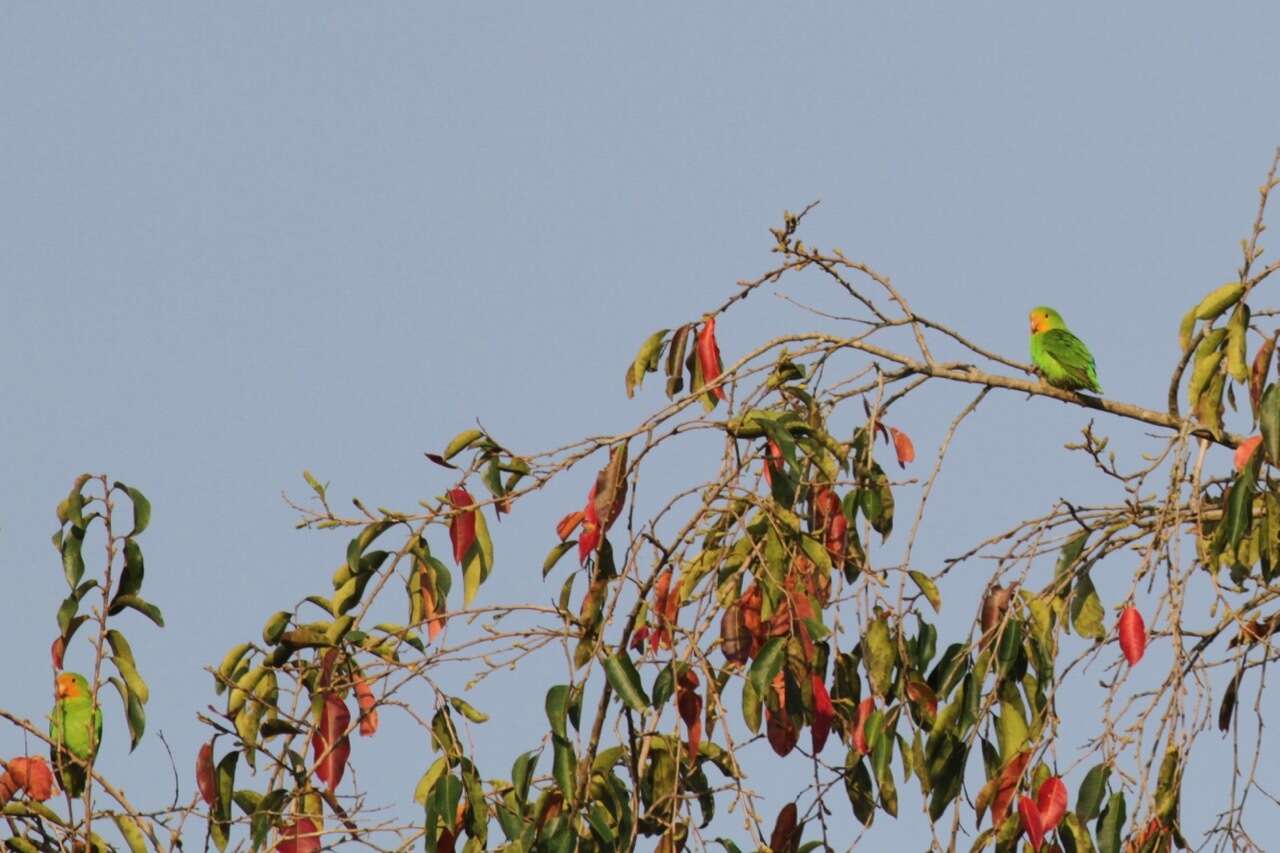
1060, 357
75, 727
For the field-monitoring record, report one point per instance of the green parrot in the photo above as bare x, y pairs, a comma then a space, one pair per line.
1060, 357
75, 727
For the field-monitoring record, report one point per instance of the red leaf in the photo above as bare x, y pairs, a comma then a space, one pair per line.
1010, 778
462, 527
301, 836
865, 707
709, 355
823, 713
750, 603
637, 639
837, 539
1133, 635
33, 775
689, 704
368, 711
590, 538
1032, 822
205, 780
784, 829
56, 651
330, 743
773, 462
903, 447
568, 524
1245, 451
1052, 802
781, 731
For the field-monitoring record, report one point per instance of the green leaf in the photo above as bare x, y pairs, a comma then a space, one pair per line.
1239, 515
522, 774
1111, 824
461, 442
767, 664
555, 554
1269, 422
135, 716
1075, 837
857, 785
133, 602
226, 669
1086, 609
879, 655
141, 507
564, 767
265, 816
275, 626
220, 814
751, 709
131, 831
427, 783
1011, 729
478, 562
1219, 300
646, 361
928, 588
557, 704
1067, 562
72, 559
625, 681
122, 657
131, 577
663, 686
1092, 789
948, 777
467, 710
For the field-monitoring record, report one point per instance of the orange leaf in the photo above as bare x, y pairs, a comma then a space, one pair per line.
434, 623
205, 776
568, 524
301, 836
1052, 802
330, 743
368, 711
709, 355
33, 775
1245, 451
462, 527
823, 713
1032, 821
903, 447
1133, 635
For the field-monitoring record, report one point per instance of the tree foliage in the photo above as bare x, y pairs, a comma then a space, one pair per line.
774, 607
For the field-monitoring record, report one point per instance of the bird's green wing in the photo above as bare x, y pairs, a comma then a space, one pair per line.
1072, 358
69, 729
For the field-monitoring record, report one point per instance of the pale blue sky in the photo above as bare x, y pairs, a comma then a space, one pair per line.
240, 240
